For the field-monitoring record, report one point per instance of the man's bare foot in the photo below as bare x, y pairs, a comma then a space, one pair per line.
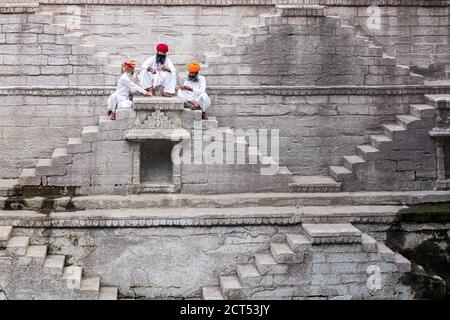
108, 113
194, 107
188, 105
204, 117
166, 94
113, 116
149, 94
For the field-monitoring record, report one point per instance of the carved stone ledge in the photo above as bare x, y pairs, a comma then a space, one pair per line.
301, 11
243, 90
15, 8
425, 3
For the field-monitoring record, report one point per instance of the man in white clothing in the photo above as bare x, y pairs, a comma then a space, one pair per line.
126, 86
159, 71
193, 91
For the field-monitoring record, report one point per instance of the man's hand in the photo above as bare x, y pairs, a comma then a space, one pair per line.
164, 68
149, 93
185, 88
151, 70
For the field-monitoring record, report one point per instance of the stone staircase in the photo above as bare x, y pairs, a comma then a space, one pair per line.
62, 281
300, 182
394, 158
326, 261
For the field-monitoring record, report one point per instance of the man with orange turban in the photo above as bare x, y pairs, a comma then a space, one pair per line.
159, 71
126, 86
193, 91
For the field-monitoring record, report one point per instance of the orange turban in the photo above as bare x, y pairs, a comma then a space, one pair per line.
194, 67
129, 64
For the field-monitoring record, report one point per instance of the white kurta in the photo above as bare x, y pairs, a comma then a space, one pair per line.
197, 94
161, 78
121, 98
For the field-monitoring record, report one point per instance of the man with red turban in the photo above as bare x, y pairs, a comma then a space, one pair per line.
193, 91
159, 71
126, 86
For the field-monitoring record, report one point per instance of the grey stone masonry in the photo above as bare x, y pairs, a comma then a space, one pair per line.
332, 233
44, 274
338, 262
402, 157
416, 33
346, 57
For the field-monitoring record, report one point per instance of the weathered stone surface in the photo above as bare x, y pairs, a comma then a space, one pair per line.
332, 233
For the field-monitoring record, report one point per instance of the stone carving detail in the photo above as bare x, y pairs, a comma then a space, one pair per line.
241, 90
157, 119
253, 2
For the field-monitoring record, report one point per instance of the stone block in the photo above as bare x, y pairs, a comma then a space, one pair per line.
332, 233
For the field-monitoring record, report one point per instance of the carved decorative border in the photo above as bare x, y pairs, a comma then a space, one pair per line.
94, 222
425, 3
244, 90
14, 8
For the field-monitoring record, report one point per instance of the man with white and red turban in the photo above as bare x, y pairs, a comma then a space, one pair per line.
126, 86
193, 91
159, 71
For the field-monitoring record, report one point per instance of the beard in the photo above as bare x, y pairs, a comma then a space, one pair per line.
193, 77
160, 58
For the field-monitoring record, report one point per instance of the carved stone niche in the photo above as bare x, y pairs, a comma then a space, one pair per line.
155, 135
441, 134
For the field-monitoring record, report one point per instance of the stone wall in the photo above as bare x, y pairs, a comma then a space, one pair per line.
418, 36
161, 263
31, 127
316, 130
316, 51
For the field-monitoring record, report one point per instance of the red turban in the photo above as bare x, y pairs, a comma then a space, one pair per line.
162, 47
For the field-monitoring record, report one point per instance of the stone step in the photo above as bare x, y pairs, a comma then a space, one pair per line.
332, 233
314, 184
76, 145
108, 293
60, 157
28, 177
54, 264
368, 243
381, 142
90, 284
231, 287
298, 242
283, 254
18, 245
403, 264
9, 187
393, 130
248, 274
5, 234
422, 111
340, 173
211, 123
438, 100
353, 163
44, 167
386, 254
89, 134
408, 121
72, 276
212, 293
37, 253
266, 264
369, 152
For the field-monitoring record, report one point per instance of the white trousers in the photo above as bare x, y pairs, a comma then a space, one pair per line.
166, 79
203, 99
116, 101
